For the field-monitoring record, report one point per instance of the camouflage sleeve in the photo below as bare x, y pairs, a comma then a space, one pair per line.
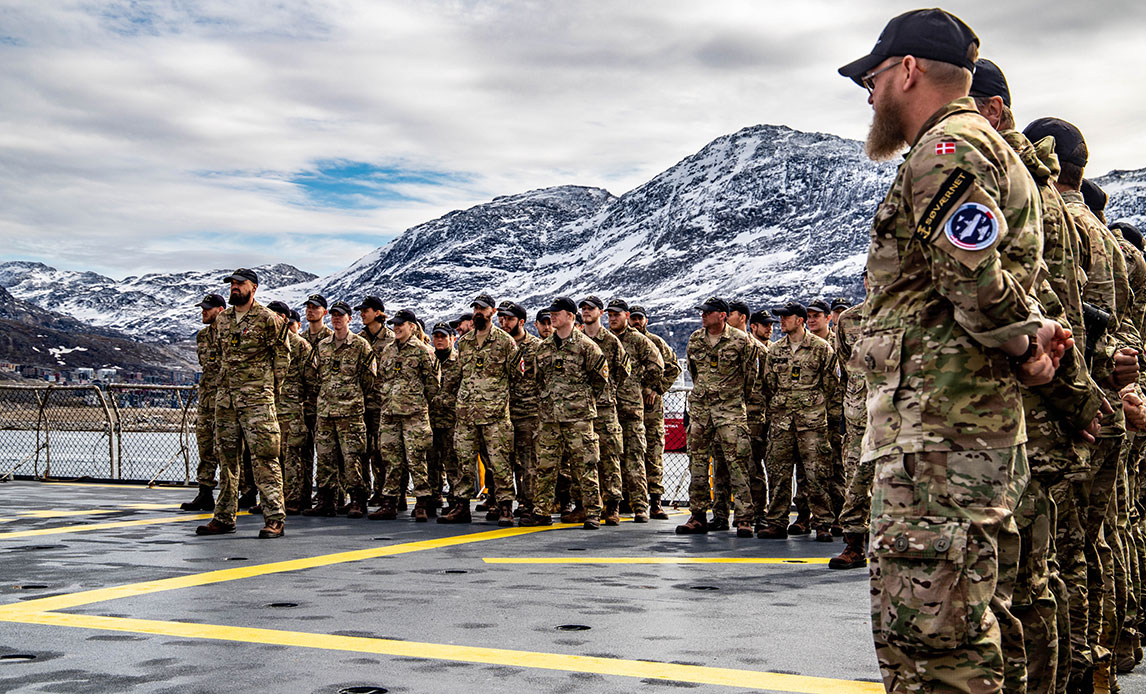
1127, 334
771, 384
1072, 393
653, 366
960, 225
749, 367
623, 366
367, 369
309, 368
431, 376
672, 369
831, 379
597, 368
281, 351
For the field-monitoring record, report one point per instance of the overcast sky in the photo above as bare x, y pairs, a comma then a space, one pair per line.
143, 136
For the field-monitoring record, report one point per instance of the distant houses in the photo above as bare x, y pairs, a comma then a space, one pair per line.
89, 376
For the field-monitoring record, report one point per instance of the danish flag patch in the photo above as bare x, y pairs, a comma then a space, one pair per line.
945, 148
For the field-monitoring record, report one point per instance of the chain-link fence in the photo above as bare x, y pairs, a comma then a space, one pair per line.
676, 474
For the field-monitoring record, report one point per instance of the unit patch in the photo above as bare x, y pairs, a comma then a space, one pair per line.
972, 227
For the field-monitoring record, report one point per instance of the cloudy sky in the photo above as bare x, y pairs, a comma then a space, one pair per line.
147, 136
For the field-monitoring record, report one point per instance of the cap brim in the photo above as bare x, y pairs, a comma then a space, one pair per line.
858, 68
359, 307
396, 321
313, 303
340, 310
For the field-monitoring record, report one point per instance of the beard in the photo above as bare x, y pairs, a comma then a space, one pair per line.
480, 322
238, 298
885, 138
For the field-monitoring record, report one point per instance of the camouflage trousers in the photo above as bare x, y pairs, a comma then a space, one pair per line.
1100, 558
835, 482
205, 438
1034, 600
736, 448
857, 498
308, 457
525, 457
1070, 552
655, 446
633, 464
292, 426
404, 442
373, 467
576, 442
610, 440
935, 530
757, 479
493, 444
341, 446
787, 448
256, 426
442, 460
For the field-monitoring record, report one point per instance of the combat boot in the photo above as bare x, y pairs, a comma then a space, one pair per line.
325, 506
388, 510
800, 527
256, 510
823, 535
768, 533
375, 499
431, 508
592, 523
505, 515
535, 519
343, 505
484, 503
204, 501
357, 505
577, 515
743, 529
612, 515
249, 499
853, 556
215, 528
625, 508
493, 511
272, 530
696, 524
460, 513
640, 517
718, 523
655, 510
420, 515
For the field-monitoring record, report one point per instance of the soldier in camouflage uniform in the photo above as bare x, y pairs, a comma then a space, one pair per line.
857, 498
316, 331
252, 348
206, 346
443, 458
738, 313
486, 360
722, 362
799, 373
655, 414
410, 380
346, 373
571, 374
835, 481
523, 402
760, 326
947, 334
374, 331
289, 405
637, 391
606, 424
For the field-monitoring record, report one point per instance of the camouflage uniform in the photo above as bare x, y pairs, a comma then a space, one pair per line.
945, 413
757, 407
722, 376
797, 381
373, 417
835, 480
254, 359
483, 426
310, 412
523, 413
571, 375
655, 418
410, 382
721, 475
207, 348
290, 406
857, 500
346, 373
648, 373
443, 458
606, 424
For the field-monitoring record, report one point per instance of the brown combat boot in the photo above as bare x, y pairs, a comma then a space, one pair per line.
800, 527
387, 511
612, 515
214, 528
357, 507
460, 513
823, 535
535, 519
718, 523
577, 515
639, 517
768, 533
592, 523
420, 515
505, 514
493, 511
853, 556
272, 530
655, 509
325, 506
697, 524
203, 501
743, 529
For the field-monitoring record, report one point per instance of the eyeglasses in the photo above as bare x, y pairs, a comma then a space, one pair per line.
868, 80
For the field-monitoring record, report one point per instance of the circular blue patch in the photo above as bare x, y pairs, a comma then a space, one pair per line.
972, 227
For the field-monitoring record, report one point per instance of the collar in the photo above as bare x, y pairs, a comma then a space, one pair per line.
963, 104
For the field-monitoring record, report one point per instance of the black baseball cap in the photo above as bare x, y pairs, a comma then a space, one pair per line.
242, 275
373, 302
1094, 197
403, 316
638, 311
280, 308
592, 300
931, 33
443, 328
316, 300
542, 315
340, 307
762, 317
212, 301
1067, 138
485, 301
740, 307
294, 317
510, 308
1130, 233
457, 322
618, 305
713, 303
819, 305
792, 308
841, 302
563, 303
989, 81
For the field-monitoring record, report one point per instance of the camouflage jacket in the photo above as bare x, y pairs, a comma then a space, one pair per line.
797, 381
848, 328
524, 398
253, 356
648, 374
571, 374
410, 377
757, 403
377, 342
722, 376
941, 302
618, 368
207, 348
444, 406
835, 394
300, 376
313, 340
486, 369
346, 373
672, 366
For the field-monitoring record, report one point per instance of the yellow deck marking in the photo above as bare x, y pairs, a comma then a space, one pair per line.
63, 529
88, 512
743, 679
654, 560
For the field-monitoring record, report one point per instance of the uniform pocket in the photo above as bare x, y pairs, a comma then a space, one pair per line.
877, 356
922, 596
883, 253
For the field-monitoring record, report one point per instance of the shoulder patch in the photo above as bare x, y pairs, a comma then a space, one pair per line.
944, 148
972, 227
958, 183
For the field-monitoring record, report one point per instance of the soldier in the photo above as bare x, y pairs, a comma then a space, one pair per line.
819, 324
839, 305
571, 373
722, 362
410, 382
463, 324
373, 314
606, 424
857, 497
253, 356
289, 407
316, 331
486, 359
542, 324
738, 313
947, 334
346, 373
637, 391
655, 414
206, 346
760, 324
443, 458
523, 402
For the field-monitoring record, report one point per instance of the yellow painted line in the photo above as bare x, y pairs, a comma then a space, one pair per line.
89, 512
64, 529
653, 560
743, 679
